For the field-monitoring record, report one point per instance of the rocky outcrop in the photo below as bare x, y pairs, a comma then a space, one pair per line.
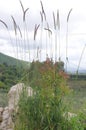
6, 114
14, 94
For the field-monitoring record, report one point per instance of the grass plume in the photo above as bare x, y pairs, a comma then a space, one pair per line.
54, 20
35, 30
24, 10
15, 25
4, 23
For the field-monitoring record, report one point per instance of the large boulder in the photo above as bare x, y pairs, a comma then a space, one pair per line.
14, 94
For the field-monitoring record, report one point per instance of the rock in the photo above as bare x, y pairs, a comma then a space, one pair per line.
14, 94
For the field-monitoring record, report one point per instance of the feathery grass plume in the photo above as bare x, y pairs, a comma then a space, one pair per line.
26, 42
15, 25
58, 20
80, 59
24, 10
69, 14
48, 29
35, 34
25, 14
54, 20
15, 30
67, 37
4, 23
43, 11
35, 30
42, 6
21, 5
44, 16
41, 16
45, 20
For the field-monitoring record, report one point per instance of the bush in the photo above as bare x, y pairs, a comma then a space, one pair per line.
45, 109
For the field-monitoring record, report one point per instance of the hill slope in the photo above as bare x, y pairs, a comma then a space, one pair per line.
11, 61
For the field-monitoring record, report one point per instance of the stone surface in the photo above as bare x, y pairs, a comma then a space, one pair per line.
14, 93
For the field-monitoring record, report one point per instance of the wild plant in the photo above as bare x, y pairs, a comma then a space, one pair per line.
44, 110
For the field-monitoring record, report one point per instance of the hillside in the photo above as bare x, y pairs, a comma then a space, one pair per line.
10, 61
11, 71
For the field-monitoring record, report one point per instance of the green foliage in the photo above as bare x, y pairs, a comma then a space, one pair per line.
2, 85
44, 110
10, 61
10, 75
75, 123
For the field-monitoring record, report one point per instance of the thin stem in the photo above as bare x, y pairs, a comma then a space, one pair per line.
81, 58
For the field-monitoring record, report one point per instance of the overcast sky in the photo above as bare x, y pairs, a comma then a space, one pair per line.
11, 44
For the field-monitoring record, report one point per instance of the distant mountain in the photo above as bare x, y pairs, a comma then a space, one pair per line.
4, 59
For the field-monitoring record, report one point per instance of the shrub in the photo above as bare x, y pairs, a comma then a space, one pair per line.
45, 109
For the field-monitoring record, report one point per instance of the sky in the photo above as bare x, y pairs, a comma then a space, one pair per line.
26, 48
